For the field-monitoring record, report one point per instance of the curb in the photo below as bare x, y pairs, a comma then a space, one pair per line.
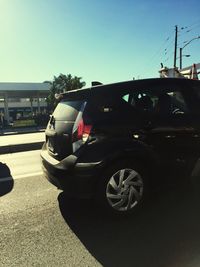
22, 132
20, 147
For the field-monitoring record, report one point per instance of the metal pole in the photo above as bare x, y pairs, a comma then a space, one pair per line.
180, 58
175, 45
38, 102
6, 110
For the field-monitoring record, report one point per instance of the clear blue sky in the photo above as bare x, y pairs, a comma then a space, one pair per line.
105, 40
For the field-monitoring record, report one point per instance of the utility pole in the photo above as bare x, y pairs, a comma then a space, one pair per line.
181, 57
175, 45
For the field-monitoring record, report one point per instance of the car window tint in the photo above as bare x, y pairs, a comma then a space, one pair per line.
165, 101
151, 101
171, 102
111, 106
194, 98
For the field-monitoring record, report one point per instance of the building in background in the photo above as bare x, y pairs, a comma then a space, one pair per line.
190, 72
22, 100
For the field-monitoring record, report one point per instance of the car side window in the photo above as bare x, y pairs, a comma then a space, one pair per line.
171, 102
141, 101
126, 97
194, 99
111, 106
149, 101
157, 101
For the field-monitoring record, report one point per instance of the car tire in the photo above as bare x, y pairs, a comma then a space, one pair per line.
123, 187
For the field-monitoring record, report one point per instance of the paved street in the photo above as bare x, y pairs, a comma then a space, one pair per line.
40, 227
32, 229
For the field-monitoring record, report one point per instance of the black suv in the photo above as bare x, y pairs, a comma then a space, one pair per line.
115, 142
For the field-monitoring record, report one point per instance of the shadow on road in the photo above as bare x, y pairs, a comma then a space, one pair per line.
165, 233
6, 185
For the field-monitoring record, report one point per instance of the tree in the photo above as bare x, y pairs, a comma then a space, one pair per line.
61, 84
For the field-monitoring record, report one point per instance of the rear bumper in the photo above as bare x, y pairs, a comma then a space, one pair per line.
75, 179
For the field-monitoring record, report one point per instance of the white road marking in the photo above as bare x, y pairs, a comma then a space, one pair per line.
21, 176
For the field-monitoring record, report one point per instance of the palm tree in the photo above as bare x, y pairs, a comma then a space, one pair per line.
63, 83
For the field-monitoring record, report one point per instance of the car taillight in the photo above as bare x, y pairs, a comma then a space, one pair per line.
82, 132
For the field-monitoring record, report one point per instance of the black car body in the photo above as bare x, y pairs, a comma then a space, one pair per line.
114, 141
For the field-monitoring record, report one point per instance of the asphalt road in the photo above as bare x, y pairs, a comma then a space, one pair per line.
41, 227
33, 231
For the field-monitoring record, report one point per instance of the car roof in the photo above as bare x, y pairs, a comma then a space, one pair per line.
126, 85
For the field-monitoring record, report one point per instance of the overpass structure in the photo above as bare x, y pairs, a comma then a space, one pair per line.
15, 96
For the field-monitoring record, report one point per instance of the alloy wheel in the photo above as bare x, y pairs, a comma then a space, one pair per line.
124, 189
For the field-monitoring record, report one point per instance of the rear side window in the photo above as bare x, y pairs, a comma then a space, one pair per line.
194, 99
110, 107
158, 101
68, 110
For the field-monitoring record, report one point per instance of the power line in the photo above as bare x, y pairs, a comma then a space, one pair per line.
166, 53
160, 51
190, 28
196, 22
169, 56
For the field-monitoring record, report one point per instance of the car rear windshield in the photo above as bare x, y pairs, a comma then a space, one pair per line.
67, 110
